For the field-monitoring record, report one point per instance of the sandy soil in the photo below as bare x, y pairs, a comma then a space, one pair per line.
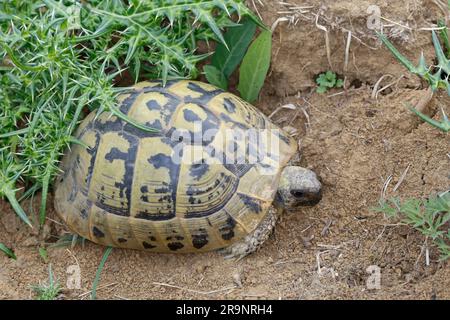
353, 140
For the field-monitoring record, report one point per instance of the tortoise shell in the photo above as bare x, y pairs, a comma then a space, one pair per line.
124, 187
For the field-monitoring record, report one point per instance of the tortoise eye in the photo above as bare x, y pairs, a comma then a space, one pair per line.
298, 193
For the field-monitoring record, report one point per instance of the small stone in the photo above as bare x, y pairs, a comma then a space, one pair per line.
237, 279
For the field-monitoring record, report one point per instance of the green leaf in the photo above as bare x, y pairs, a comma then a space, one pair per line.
11, 196
255, 66
238, 39
321, 89
7, 251
215, 77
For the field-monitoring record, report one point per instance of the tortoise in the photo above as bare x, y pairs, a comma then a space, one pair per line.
165, 190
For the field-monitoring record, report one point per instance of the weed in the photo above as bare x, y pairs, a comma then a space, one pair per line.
255, 58
430, 217
99, 272
7, 251
328, 80
437, 76
49, 291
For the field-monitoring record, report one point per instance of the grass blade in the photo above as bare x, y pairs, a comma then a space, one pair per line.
98, 273
255, 66
7, 251
17, 208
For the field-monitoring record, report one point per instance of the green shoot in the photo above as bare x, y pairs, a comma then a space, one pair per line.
437, 76
43, 254
7, 251
328, 80
99, 272
430, 217
49, 291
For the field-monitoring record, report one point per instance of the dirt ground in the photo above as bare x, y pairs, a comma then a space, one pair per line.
354, 139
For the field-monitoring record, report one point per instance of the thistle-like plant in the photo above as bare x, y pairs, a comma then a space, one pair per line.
59, 59
437, 76
430, 217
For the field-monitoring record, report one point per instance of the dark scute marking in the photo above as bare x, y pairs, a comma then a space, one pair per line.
197, 171
225, 117
128, 102
154, 216
93, 153
153, 105
116, 154
174, 246
177, 237
229, 105
191, 116
238, 169
252, 203
205, 95
162, 190
139, 133
227, 231
148, 245
98, 233
144, 189
152, 238
122, 240
201, 239
112, 125
125, 185
161, 160
194, 193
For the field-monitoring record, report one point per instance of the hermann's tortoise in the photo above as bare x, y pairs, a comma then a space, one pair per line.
188, 187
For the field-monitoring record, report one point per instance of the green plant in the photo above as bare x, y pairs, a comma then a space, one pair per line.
437, 76
49, 291
61, 59
431, 217
7, 251
255, 59
255, 66
328, 80
99, 272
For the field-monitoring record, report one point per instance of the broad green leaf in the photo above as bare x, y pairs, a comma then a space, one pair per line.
215, 77
238, 39
7, 251
255, 66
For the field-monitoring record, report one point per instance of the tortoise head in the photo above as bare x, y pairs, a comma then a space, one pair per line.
298, 187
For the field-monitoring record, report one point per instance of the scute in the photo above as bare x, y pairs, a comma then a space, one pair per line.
169, 191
